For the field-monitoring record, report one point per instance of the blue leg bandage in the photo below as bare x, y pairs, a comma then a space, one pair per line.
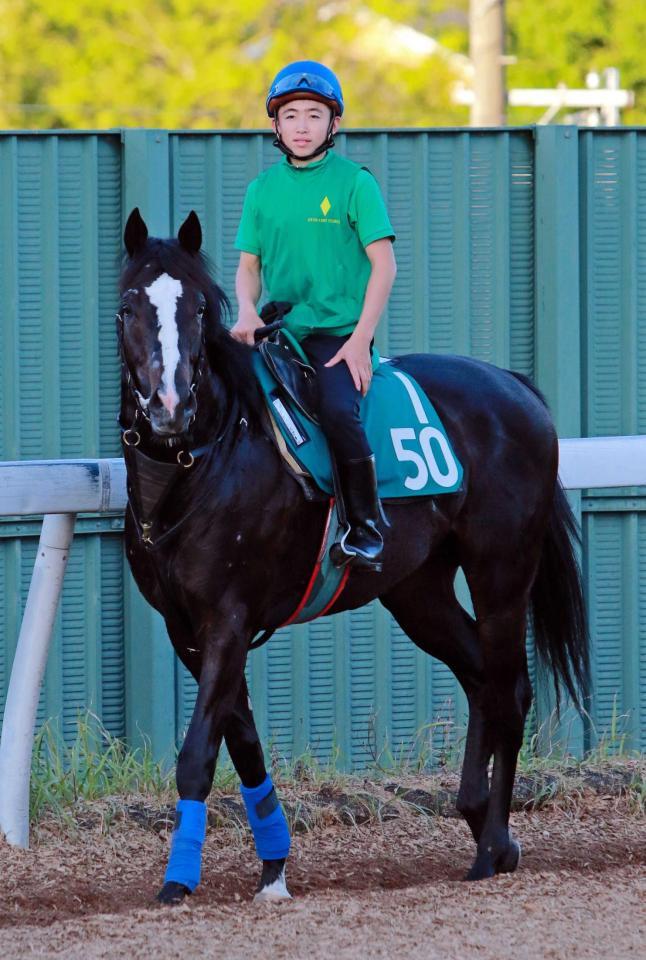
186, 846
267, 820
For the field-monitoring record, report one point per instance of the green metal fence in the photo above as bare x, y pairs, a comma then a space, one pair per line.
523, 247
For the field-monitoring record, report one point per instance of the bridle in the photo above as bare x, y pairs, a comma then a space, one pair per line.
151, 479
130, 435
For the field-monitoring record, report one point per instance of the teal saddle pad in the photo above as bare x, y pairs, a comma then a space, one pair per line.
413, 453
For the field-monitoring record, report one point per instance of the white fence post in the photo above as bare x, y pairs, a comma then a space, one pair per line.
59, 489
27, 673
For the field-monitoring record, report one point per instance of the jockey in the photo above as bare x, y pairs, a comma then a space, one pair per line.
316, 225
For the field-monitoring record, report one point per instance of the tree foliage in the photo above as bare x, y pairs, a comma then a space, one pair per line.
559, 41
87, 64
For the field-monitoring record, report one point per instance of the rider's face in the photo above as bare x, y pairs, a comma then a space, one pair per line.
303, 125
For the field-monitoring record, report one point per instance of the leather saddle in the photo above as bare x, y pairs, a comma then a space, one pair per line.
286, 360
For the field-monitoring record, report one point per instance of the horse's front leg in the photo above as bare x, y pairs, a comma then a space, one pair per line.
219, 689
263, 809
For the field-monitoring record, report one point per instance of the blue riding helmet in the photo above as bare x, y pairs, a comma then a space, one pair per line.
306, 79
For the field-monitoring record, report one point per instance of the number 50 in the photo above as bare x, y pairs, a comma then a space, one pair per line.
426, 464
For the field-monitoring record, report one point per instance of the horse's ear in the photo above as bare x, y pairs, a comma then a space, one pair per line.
135, 234
190, 233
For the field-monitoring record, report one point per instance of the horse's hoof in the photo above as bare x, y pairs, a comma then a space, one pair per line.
272, 887
482, 869
511, 860
486, 866
172, 893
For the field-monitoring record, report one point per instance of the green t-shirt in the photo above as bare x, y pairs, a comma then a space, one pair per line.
309, 226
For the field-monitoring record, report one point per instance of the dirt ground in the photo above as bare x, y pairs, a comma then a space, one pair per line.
377, 874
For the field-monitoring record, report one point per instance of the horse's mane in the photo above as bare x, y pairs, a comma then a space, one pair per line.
228, 359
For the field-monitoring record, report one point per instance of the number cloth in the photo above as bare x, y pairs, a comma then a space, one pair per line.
267, 820
414, 456
309, 226
186, 845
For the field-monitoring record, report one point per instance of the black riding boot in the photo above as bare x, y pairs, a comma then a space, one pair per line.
361, 544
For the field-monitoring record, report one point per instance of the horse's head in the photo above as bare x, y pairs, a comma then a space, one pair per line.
161, 322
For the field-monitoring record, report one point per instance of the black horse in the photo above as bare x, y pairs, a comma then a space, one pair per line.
230, 541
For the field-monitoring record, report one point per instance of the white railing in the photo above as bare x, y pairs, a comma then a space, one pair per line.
596, 462
60, 489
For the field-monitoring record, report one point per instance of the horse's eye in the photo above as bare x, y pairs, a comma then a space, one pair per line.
126, 312
200, 310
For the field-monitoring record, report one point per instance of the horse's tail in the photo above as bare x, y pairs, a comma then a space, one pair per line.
557, 606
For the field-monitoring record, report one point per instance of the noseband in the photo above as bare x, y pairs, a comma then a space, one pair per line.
130, 435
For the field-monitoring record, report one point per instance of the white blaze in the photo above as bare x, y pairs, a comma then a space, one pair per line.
164, 293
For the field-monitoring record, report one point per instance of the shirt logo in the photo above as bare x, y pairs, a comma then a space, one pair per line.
324, 206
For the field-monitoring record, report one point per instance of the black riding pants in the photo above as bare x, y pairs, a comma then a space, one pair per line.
339, 400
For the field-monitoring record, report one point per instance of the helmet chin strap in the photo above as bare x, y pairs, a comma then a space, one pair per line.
326, 145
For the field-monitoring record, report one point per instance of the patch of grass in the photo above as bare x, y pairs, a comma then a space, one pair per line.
93, 766
99, 767
306, 769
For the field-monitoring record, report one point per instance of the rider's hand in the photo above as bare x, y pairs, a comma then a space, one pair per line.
248, 321
356, 353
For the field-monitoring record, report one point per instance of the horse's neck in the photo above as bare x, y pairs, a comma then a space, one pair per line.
219, 410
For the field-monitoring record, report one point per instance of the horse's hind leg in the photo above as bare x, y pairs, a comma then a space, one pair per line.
500, 592
426, 608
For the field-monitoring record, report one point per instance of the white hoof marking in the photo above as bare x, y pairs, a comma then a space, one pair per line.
274, 892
